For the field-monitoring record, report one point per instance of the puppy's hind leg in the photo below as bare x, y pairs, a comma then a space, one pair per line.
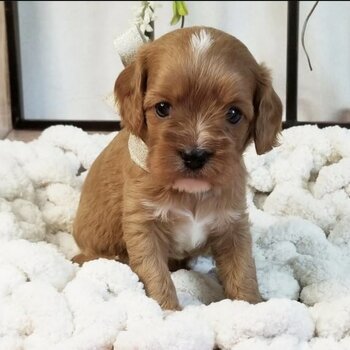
105, 244
81, 258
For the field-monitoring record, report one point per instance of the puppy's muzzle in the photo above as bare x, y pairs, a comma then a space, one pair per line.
196, 158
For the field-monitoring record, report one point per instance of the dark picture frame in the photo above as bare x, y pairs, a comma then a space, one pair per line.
14, 55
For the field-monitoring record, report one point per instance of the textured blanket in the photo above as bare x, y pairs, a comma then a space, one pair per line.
299, 204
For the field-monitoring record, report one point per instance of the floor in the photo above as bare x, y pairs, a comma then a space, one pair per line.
30, 135
23, 135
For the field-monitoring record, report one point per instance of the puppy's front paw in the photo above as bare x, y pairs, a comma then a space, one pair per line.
251, 296
255, 299
171, 305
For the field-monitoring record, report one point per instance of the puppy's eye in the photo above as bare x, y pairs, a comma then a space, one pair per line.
234, 115
163, 109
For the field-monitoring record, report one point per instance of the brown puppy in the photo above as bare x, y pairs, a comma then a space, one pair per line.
171, 185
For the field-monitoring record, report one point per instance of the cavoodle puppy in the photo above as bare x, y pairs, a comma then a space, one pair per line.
172, 184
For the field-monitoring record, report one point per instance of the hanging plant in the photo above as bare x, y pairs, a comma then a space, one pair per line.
179, 12
144, 19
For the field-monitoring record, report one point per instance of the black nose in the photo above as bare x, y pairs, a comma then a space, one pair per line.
195, 159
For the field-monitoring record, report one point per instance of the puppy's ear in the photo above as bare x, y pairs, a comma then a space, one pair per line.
129, 90
268, 113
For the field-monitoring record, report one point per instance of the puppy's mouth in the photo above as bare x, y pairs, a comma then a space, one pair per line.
191, 185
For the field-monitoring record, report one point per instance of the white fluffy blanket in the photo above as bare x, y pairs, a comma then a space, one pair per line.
300, 213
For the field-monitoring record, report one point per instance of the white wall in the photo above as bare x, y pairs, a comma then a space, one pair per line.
70, 64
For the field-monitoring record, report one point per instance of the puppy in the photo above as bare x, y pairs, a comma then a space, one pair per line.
172, 184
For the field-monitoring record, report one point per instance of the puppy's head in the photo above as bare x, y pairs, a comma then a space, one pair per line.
197, 97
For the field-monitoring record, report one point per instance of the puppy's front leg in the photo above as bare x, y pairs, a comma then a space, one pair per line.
232, 251
148, 259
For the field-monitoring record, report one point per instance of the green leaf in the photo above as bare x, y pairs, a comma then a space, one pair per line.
179, 11
181, 8
174, 8
176, 18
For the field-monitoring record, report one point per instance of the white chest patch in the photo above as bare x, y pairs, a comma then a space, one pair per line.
200, 42
192, 233
189, 231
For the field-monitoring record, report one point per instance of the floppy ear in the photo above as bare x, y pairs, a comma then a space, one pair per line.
129, 90
268, 113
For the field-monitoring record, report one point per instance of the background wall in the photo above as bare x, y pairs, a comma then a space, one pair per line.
70, 64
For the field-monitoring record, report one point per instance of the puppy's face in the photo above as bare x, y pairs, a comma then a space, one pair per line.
197, 98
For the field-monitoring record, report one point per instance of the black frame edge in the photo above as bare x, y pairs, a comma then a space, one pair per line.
292, 61
87, 125
291, 123
13, 54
